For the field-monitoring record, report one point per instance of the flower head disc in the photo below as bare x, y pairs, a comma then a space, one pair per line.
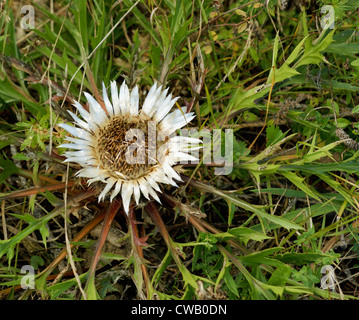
126, 149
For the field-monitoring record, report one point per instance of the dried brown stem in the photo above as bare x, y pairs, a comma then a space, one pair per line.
36, 190
110, 215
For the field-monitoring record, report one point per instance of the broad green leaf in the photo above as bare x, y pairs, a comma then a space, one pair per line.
284, 72
296, 52
312, 53
90, 289
230, 282
280, 276
343, 49
278, 290
57, 289
8, 168
246, 234
274, 134
257, 258
355, 63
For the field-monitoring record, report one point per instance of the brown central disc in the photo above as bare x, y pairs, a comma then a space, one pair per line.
127, 145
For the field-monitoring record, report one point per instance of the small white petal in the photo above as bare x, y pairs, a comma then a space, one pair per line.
90, 172
116, 190
181, 143
72, 146
184, 139
80, 122
175, 120
109, 183
134, 101
158, 99
143, 184
96, 111
162, 95
106, 100
153, 183
77, 132
181, 121
136, 192
101, 178
80, 142
149, 104
181, 157
170, 172
160, 176
127, 190
168, 180
124, 99
115, 101
88, 161
86, 116
165, 107
153, 194
81, 154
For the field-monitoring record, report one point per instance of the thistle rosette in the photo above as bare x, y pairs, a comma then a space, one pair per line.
127, 150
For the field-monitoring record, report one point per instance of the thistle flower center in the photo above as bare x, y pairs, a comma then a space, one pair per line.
127, 146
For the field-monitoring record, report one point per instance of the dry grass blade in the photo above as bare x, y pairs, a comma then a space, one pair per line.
36, 190
110, 215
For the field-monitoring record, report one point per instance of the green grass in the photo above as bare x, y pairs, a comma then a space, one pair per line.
283, 85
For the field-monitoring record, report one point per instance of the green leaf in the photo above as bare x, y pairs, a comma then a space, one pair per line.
284, 72
239, 149
8, 169
261, 257
337, 186
26, 217
280, 276
161, 268
7, 246
303, 258
82, 23
246, 234
274, 134
20, 156
351, 166
231, 210
52, 198
312, 53
56, 290
90, 289
296, 52
44, 231
232, 286
355, 64
36, 261
291, 176
343, 49
10, 92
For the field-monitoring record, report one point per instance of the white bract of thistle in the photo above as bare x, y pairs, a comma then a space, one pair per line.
128, 150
